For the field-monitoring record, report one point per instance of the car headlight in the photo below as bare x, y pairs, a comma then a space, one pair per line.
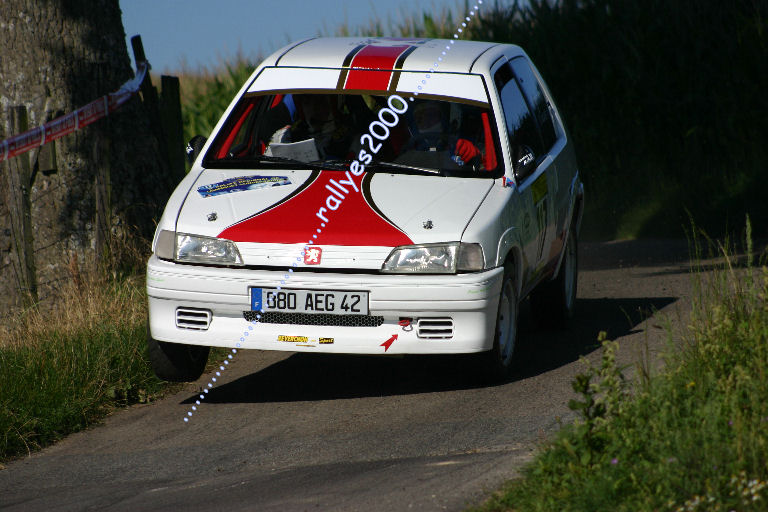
203, 249
446, 258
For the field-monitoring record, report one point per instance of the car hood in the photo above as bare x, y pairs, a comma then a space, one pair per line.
356, 221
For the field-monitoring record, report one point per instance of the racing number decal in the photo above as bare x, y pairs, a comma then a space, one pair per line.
539, 192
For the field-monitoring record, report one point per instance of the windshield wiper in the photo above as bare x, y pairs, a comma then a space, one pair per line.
384, 166
265, 158
251, 159
333, 165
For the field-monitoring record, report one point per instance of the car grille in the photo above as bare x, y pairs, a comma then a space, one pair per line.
435, 328
193, 318
315, 319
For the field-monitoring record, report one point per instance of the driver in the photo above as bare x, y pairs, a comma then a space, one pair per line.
317, 117
431, 124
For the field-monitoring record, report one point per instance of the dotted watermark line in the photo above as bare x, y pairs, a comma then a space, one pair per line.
230, 357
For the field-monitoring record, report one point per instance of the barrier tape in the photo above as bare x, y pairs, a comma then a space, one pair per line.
64, 125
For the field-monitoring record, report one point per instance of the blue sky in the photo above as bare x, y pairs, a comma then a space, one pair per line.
201, 32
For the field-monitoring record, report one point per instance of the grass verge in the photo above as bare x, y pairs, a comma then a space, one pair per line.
693, 436
63, 370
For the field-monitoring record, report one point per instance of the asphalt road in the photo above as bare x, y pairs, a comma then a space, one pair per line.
291, 432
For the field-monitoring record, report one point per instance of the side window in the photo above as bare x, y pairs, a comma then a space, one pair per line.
538, 102
521, 127
234, 139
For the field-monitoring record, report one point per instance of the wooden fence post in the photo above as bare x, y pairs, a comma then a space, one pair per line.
18, 178
170, 113
150, 100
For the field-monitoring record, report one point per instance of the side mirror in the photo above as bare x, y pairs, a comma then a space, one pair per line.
194, 146
524, 162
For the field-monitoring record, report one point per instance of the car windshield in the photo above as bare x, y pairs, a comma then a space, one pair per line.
331, 129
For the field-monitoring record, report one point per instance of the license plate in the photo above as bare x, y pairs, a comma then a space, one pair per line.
332, 302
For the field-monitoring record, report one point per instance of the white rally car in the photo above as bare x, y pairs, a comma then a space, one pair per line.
370, 196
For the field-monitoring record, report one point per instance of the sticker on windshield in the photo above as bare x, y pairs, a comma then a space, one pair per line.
241, 183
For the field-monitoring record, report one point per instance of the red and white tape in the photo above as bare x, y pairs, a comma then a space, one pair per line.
64, 125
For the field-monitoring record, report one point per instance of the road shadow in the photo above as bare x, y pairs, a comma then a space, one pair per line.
542, 349
311, 377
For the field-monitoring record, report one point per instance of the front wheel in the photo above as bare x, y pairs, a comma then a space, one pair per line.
497, 362
176, 362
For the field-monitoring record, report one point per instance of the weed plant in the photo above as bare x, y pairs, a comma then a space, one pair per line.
692, 437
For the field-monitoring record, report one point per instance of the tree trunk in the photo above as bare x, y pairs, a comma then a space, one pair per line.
55, 56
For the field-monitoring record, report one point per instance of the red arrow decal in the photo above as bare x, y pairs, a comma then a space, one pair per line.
389, 342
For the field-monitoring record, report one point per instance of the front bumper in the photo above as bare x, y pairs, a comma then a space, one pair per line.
469, 301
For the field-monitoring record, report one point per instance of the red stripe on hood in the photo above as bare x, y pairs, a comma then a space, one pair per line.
364, 74
354, 222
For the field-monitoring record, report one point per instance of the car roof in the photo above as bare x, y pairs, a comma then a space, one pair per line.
404, 54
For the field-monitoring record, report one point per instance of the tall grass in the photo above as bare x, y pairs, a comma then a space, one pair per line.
64, 368
692, 437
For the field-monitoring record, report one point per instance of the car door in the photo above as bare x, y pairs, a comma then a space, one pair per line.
533, 173
555, 205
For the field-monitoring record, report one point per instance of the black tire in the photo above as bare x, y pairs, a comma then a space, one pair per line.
496, 364
553, 303
176, 362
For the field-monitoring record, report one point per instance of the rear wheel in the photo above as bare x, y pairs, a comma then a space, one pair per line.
497, 362
176, 362
553, 303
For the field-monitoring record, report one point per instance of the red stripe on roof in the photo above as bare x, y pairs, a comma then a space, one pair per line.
367, 79
372, 67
